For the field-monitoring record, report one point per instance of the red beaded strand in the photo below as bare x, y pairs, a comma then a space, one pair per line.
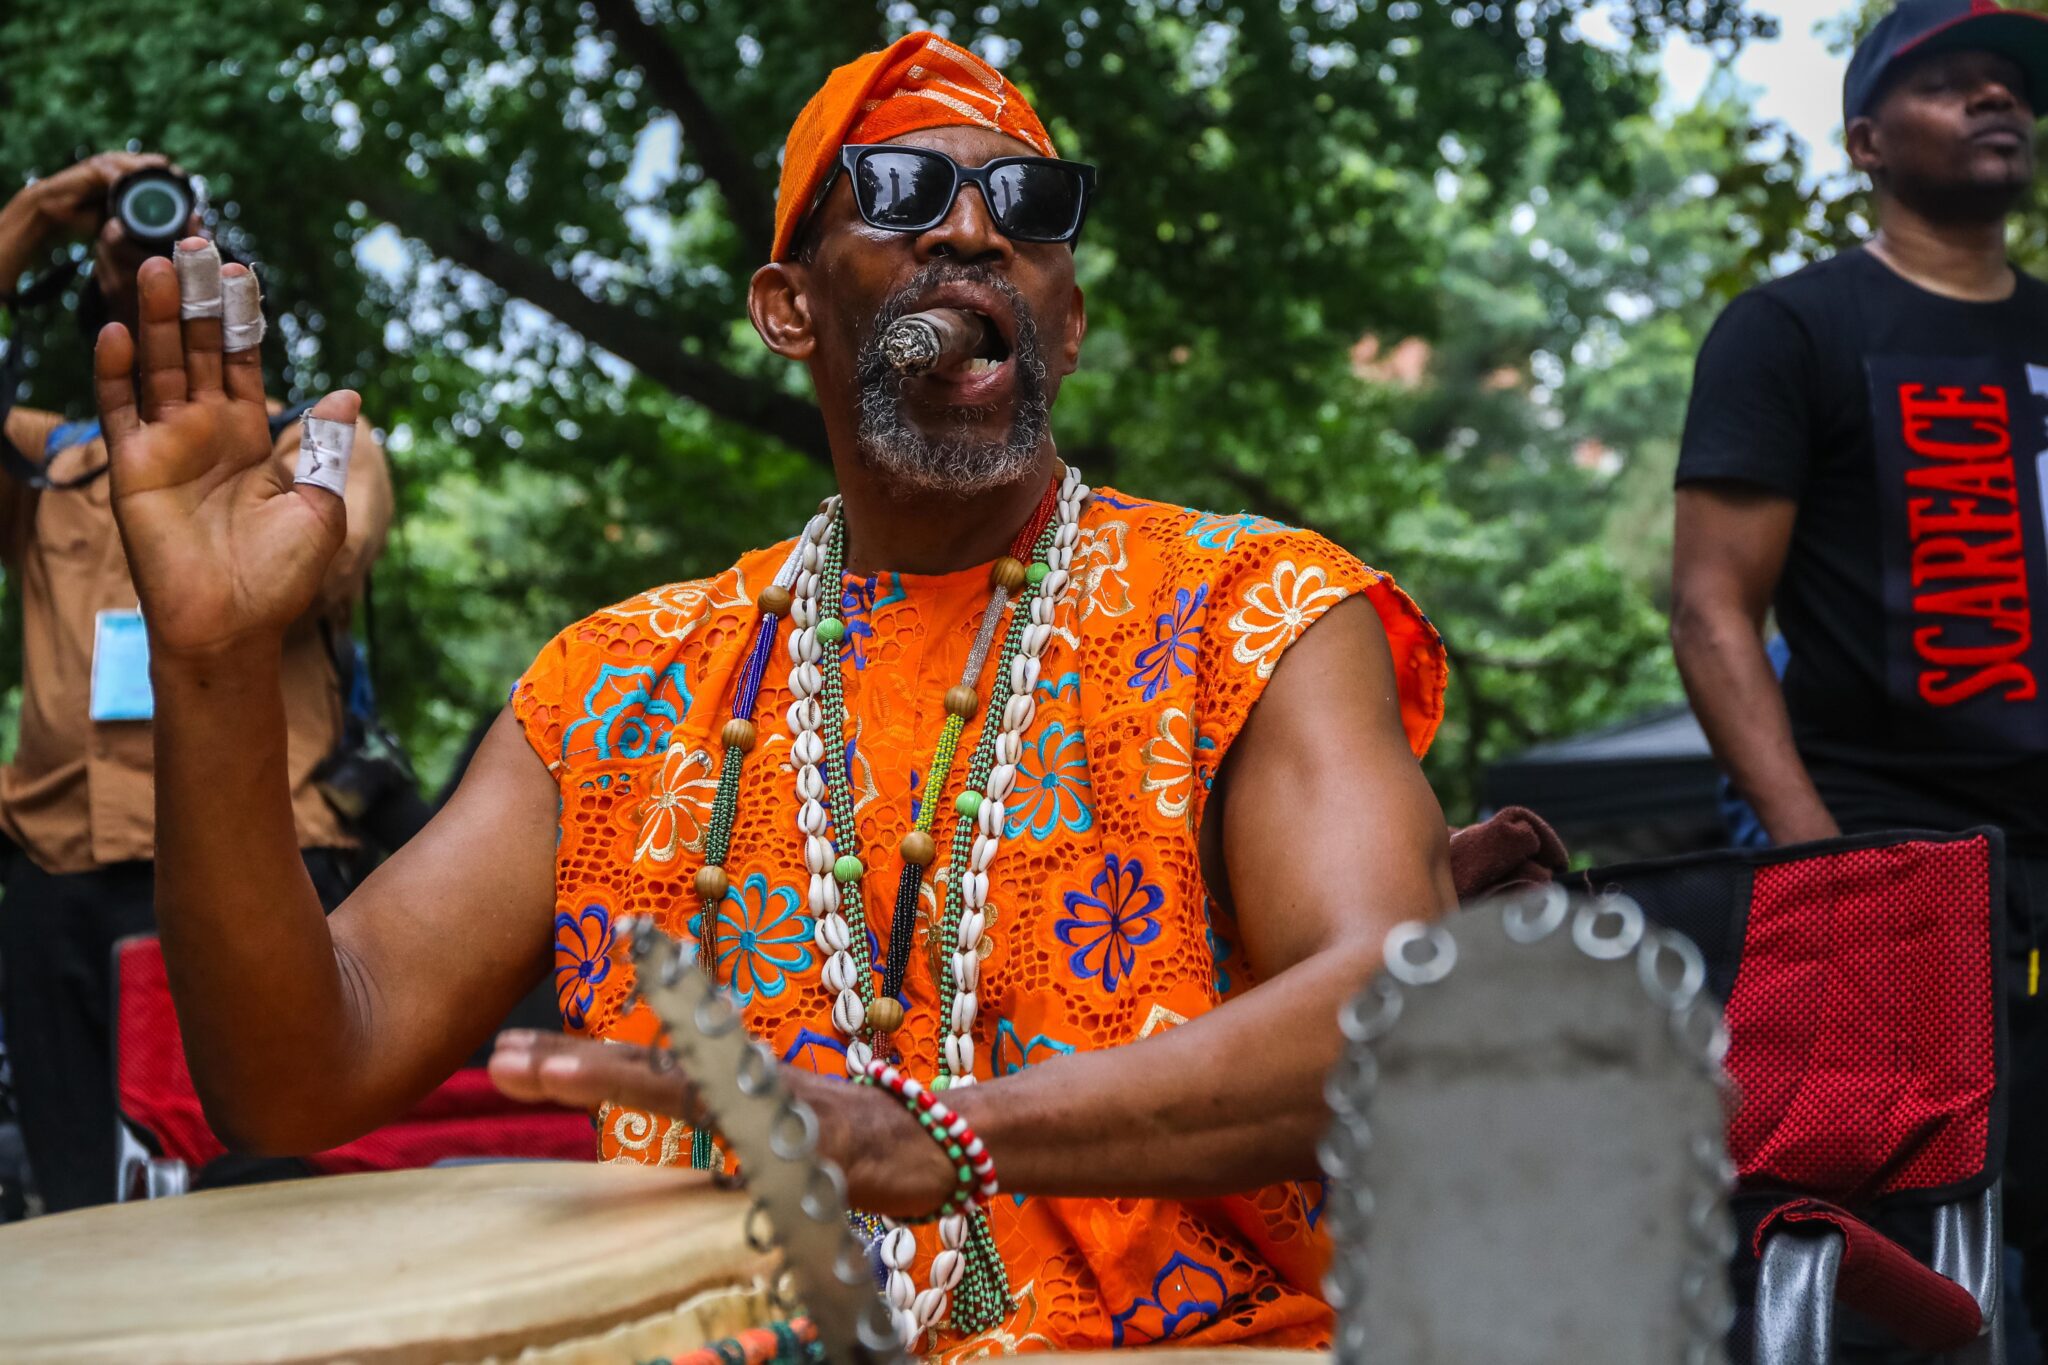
977, 1185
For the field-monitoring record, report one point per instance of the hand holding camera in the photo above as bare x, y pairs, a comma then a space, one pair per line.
139, 190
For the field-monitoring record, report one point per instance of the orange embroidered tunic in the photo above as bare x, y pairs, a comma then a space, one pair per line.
1101, 932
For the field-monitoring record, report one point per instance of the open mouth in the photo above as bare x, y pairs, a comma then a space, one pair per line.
990, 351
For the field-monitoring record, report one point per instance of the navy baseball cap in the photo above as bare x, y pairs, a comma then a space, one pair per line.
1920, 28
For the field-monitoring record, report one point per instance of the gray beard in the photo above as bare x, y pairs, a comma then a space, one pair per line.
952, 459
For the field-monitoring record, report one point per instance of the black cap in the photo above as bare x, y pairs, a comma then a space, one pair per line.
1920, 28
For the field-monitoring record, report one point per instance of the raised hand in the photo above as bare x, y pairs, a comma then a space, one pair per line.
226, 548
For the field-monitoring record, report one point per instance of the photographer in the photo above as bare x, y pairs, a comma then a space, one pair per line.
77, 801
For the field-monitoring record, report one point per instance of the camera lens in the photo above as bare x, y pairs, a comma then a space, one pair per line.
154, 206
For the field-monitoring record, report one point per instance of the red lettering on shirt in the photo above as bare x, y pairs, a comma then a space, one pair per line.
1968, 561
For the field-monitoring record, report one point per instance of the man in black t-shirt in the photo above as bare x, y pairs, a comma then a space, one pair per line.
1865, 451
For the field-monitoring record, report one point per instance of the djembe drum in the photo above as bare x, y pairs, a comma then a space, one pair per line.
549, 1263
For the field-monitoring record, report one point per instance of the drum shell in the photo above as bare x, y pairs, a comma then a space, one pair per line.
543, 1262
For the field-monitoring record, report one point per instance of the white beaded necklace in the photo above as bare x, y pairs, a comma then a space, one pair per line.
847, 974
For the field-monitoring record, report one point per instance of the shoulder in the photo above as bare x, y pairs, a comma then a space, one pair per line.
1214, 544
29, 429
612, 683
1794, 302
1226, 594
676, 611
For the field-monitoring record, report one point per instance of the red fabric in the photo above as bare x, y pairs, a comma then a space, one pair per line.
465, 1116
1861, 1024
1881, 1280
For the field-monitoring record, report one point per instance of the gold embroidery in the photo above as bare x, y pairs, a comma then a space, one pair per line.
1160, 1017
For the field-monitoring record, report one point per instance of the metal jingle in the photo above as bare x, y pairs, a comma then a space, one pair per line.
1608, 947
1660, 946
793, 1135
1535, 914
756, 1070
759, 1228
1372, 1012
716, 1016
1433, 966
824, 1193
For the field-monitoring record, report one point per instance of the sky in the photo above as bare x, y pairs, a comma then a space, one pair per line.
1793, 78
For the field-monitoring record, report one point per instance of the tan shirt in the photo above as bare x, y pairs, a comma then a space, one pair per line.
81, 794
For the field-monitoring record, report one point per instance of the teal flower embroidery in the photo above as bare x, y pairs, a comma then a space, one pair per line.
763, 938
629, 712
1216, 531
1052, 785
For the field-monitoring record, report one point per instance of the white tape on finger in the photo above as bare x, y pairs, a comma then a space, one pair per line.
198, 281
323, 453
242, 312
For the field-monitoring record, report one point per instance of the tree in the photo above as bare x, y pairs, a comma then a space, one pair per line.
555, 340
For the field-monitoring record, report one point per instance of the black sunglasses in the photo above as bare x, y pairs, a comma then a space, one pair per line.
912, 189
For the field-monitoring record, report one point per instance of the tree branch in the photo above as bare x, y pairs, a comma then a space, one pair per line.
644, 343
753, 209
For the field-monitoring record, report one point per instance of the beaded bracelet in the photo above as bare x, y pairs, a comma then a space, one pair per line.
974, 1168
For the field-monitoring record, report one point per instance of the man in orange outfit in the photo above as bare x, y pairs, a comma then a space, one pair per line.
1088, 809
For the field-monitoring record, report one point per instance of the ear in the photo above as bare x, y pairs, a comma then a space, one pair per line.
779, 303
1865, 145
1077, 331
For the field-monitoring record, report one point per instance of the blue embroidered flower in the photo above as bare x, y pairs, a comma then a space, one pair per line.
763, 935
1109, 499
629, 712
583, 946
1314, 1194
816, 1053
1214, 531
1174, 644
1106, 927
1052, 785
858, 604
1186, 1296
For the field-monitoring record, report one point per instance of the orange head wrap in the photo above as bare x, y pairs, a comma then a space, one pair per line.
918, 81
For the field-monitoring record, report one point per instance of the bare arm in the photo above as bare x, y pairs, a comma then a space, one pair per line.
70, 203
1727, 554
302, 1031
1330, 837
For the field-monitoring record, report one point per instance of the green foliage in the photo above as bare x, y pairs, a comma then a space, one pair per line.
452, 202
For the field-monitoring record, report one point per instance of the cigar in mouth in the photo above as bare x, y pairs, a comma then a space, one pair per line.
939, 337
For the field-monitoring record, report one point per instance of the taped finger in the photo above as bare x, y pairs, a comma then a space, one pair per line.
324, 447
198, 281
242, 312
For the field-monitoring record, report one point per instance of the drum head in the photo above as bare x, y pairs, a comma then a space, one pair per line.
453, 1264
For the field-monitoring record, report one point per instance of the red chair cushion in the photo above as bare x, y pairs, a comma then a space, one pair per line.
465, 1116
1881, 1280
1862, 1023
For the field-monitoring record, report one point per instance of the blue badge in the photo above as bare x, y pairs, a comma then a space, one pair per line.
120, 668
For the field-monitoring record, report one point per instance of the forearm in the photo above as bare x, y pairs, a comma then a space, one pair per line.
268, 1022
22, 232
1228, 1102
1736, 695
